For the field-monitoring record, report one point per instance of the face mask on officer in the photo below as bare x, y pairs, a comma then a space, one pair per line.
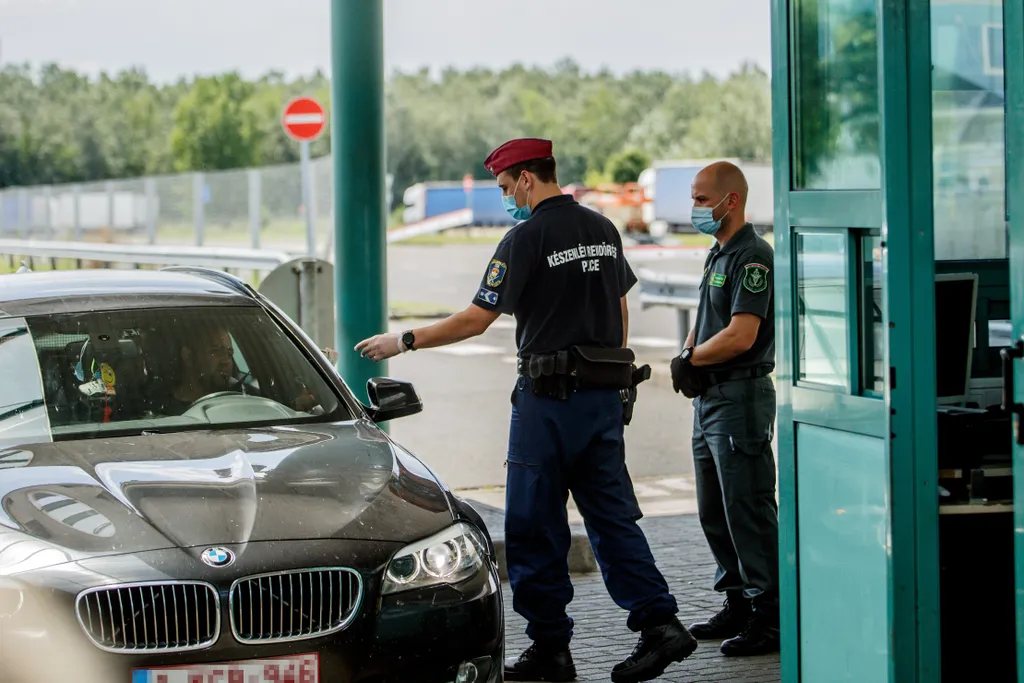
519, 213
703, 218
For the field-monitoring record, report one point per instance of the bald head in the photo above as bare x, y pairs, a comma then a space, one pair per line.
721, 187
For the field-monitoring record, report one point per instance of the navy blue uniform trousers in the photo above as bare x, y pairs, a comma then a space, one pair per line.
574, 445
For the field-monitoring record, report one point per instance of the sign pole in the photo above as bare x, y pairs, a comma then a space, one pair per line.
304, 120
307, 198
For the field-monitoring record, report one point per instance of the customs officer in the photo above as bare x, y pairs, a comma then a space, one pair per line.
562, 274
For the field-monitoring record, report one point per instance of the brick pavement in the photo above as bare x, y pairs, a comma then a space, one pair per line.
601, 638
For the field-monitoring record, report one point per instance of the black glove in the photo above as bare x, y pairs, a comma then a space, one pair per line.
686, 379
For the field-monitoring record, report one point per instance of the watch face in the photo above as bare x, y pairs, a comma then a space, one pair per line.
408, 338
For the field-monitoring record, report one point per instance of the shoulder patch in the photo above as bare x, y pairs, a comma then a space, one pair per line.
487, 296
496, 273
755, 277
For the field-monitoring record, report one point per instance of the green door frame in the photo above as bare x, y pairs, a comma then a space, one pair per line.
908, 426
1013, 18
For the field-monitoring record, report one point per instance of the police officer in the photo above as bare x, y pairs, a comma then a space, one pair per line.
562, 273
724, 367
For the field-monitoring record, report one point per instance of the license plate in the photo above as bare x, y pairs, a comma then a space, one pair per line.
297, 669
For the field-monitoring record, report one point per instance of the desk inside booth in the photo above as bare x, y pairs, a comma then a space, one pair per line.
975, 472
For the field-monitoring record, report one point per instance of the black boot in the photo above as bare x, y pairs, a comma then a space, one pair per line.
658, 647
728, 623
541, 663
760, 637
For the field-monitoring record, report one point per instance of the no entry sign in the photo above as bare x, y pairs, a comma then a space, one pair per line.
304, 119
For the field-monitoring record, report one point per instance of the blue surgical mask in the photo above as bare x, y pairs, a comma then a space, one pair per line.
520, 213
702, 218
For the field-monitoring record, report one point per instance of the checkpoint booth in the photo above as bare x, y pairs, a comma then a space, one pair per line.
899, 236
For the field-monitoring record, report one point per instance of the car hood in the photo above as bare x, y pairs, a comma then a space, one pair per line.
67, 501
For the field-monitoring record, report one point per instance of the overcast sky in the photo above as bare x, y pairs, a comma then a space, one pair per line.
172, 38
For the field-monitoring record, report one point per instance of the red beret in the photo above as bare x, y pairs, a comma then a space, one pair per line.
515, 152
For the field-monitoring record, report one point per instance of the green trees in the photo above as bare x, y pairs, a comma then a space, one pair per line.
59, 126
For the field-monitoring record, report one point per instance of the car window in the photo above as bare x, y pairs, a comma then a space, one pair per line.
167, 369
22, 409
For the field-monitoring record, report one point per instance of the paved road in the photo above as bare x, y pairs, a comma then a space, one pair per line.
463, 430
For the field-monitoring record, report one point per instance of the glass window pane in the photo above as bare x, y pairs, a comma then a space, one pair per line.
836, 131
968, 130
821, 309
871, 326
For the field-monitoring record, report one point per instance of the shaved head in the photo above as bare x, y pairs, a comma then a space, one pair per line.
721, 178
722, 188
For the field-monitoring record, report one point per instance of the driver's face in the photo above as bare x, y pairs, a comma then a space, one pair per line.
213, 361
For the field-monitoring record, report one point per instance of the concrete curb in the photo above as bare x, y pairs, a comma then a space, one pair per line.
581, 555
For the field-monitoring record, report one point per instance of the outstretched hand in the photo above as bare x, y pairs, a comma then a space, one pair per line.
381, 347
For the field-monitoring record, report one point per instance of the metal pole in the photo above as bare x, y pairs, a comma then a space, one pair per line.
683, 318
357, 150
198, 209
307, 299
307, 198
151, 209
76, 210
255, 205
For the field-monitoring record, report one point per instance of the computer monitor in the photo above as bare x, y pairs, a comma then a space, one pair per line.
956, 297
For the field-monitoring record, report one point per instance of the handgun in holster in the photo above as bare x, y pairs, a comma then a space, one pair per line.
640, 375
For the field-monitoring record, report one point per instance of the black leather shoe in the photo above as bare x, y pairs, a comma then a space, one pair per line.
657, 647
728, 623
760, 637
541, 664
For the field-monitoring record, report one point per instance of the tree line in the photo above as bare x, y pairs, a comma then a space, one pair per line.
57, 125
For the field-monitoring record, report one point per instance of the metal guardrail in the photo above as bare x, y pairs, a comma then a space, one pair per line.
676, 290
211, 257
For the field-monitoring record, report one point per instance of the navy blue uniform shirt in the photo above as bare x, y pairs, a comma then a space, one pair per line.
561, 273
738, 278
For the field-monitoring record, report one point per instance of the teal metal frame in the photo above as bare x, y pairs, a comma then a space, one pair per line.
900, 211
908, 270
360, 213
1013, 19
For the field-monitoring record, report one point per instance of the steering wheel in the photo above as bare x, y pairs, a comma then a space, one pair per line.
210, 397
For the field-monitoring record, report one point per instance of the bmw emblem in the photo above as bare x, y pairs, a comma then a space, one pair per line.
218, 557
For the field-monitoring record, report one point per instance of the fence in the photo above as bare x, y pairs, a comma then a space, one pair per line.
256, 207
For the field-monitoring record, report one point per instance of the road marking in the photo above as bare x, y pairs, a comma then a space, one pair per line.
654, 342
678, 483
469, 350
645, 491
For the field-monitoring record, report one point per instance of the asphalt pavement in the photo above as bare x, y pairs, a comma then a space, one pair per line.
463, 431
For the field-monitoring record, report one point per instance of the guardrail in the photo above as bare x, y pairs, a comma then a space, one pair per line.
210, 257
675, 290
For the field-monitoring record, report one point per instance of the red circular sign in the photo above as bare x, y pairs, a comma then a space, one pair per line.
304, 119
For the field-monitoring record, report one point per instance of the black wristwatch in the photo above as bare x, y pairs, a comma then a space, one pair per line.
686, 354
409, 340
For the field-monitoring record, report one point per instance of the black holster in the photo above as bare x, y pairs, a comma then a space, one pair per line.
580, 368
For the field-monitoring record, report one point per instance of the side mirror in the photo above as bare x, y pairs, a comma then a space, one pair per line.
391, 398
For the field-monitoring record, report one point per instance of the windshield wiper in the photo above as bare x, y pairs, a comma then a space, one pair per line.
18, 408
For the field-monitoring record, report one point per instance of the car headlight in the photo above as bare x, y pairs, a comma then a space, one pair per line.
451, 556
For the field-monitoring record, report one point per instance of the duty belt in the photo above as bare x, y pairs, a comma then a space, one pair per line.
734, 374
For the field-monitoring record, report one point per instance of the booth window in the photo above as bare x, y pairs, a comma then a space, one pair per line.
835, 99
822, 322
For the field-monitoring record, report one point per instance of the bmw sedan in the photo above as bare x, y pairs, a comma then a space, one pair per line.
190, 493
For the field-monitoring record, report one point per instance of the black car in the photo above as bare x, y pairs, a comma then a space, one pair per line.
190, 493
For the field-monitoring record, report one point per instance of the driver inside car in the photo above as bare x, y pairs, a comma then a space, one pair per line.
206, 366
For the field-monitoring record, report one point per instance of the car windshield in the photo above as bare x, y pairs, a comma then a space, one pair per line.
105, 373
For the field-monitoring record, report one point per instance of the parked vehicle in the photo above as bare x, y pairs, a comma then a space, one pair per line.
187, 487
426, 200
